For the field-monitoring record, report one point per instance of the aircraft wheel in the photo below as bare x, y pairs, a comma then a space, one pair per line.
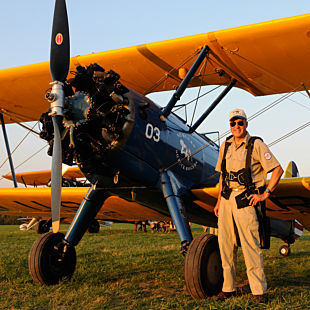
93, 227
42, 227
48, 266
203, 267
285, 250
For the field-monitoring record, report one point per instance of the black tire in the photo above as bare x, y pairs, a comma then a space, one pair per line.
285, 250
42, 227
48, 266
93, 227
203, 267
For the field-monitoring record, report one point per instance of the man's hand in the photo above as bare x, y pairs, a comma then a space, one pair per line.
274, 180
217, 208
256, 198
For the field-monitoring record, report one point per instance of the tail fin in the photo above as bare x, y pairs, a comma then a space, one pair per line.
298, 229
291, 170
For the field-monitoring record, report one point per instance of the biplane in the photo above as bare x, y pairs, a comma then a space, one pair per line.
138, 154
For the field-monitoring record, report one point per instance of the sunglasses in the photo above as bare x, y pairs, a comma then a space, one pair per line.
239, 123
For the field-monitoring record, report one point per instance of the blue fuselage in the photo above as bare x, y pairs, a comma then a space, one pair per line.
151, 146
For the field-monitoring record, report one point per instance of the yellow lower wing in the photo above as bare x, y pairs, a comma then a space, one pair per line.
35, 202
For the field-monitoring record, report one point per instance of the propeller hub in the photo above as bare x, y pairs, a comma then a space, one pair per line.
56, 98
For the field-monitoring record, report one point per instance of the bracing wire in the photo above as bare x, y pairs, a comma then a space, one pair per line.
165, 76
289, 134
271, 105
30, 157
180, 106
199, 90
263, 110
19, 144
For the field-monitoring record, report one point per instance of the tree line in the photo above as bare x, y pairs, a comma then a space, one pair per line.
9, 220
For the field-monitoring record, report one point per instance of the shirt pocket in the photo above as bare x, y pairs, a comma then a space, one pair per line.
228, 154
241, 156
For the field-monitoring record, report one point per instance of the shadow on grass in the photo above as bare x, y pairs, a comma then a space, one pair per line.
304, 238
288, 273
298, 254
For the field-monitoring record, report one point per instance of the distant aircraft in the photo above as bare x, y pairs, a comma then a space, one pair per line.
141, 156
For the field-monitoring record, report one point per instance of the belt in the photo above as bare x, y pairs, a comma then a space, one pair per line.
238, 189
259, 190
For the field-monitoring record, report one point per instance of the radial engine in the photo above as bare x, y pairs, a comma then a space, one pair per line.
98, 117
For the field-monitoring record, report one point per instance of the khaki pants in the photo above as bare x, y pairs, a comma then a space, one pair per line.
233, 221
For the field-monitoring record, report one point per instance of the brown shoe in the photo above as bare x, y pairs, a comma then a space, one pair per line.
225, 295
260, 299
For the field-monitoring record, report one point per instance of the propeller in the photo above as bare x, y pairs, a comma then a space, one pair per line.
59, 66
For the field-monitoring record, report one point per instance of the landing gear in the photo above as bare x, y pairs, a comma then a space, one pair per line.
94, 227
203, 267
48, 265
43, 226
52, 257
285, 250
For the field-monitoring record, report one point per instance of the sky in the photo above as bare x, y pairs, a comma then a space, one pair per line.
100, 25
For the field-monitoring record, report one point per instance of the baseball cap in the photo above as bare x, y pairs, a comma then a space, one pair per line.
237, 113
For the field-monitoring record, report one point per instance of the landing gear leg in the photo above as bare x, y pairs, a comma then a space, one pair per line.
86, 213
177, 211
202, 267
52, 257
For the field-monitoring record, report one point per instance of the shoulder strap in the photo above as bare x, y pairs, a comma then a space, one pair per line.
250, 147
223, 164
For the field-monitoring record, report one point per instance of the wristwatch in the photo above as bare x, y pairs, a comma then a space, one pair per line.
267, 190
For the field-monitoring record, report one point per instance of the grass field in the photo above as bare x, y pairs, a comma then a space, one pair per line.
119, 269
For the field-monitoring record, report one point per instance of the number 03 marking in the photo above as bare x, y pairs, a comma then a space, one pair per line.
152, 132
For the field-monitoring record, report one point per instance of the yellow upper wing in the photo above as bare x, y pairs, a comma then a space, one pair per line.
290, 200
265, 58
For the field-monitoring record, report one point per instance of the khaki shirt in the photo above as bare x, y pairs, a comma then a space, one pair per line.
262, 160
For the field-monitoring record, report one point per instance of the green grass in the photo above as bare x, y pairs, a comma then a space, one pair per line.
119, 269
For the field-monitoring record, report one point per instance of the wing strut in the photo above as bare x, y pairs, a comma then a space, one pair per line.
8, 150
178, 93
213, 105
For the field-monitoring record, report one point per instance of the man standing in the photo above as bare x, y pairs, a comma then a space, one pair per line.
239, 220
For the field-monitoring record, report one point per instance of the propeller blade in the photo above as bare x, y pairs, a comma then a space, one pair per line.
59, 65
56, 177
60, 44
